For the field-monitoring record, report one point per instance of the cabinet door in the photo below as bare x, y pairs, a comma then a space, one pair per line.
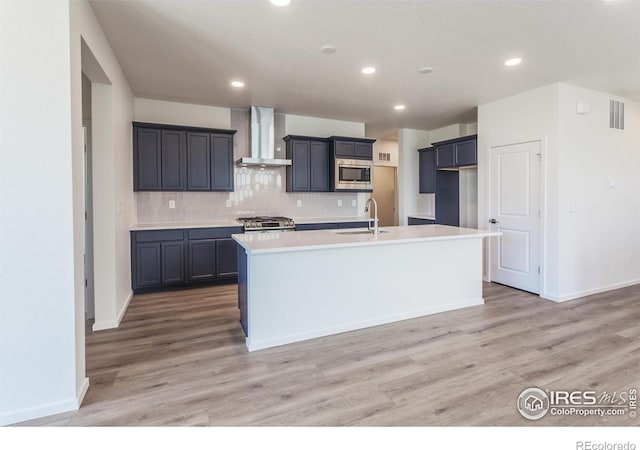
202, 260
172, 262
300, 166
448, 198
174, 160
319, 166
445, 156
427, 160
466, 153
221, 163
316, 226
363, 150
344, 149
416, 221
148, 265
147, 174
226, 258
362, 224
198, 162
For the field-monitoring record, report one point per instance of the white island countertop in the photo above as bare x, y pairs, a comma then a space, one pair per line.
257, 243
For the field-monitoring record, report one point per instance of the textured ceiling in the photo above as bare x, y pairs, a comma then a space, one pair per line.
190, 51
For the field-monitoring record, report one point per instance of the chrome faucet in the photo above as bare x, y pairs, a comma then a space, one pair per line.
376, 229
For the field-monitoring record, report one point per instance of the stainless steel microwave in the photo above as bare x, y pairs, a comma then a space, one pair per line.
353, 175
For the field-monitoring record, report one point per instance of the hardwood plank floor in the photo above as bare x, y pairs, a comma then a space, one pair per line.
179, 359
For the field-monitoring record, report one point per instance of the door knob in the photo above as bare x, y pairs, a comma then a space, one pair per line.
493, 221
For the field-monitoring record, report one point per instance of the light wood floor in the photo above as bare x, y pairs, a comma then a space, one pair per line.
179, 359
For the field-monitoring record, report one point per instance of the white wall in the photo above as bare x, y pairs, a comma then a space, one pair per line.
314, 126
38, 314
589, 239
175, 113
598, 195
526, 117
385, 146
409, 141
114, 205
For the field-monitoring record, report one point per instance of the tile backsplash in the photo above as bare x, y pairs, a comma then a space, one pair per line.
257, 192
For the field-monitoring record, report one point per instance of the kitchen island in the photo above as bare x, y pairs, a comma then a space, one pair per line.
295, 286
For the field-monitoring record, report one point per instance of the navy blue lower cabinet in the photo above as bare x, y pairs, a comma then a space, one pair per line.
163, 259
202, 260
447, 198
418, 221
227, 258
316, 226
172, 262
147, 265
362, 224
242, 289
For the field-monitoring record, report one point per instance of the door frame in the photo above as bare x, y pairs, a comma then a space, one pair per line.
542, 192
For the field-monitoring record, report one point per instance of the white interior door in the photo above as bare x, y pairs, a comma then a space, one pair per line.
515, 211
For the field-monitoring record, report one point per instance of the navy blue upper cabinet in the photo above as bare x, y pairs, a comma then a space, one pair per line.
178, 158
319, 167
174, 160
351, 148
146, 160
459, 152
198, 162
427, 161
309, 170
466, 153
221, 162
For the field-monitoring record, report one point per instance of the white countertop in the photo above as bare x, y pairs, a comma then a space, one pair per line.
233, 223
178, 225
256, 243
422, 217
307, 220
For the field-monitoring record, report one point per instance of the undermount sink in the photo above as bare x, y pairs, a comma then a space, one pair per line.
360, 232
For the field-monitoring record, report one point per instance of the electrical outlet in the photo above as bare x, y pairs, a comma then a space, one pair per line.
172, 204
340, 202
228, 203
298, 203
353, 203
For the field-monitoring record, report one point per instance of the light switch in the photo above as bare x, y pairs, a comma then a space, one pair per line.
228, 203
298, 203
353, 202
339, 202
172, 204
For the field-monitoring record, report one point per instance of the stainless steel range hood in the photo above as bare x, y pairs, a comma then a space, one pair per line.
262, 136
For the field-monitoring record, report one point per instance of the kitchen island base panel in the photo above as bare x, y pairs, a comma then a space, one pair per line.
294, 296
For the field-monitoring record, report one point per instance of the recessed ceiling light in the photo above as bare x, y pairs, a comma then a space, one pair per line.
237, 84
399, 107
513, 62
425, 70
281, 2
369, 70
328, 49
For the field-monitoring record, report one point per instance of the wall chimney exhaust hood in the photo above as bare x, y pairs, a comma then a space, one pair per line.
262, 136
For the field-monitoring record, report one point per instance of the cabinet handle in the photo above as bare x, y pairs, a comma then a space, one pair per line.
493, 221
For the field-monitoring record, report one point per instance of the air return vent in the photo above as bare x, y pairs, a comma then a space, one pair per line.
616, 115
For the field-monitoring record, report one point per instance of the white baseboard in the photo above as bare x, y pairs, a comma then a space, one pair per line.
38, 411
580, 294
108, 324
82, 391
46, 410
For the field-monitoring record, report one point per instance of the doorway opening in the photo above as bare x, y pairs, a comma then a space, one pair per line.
384, 191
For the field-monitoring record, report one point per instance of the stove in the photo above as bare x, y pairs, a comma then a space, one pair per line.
266, 223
